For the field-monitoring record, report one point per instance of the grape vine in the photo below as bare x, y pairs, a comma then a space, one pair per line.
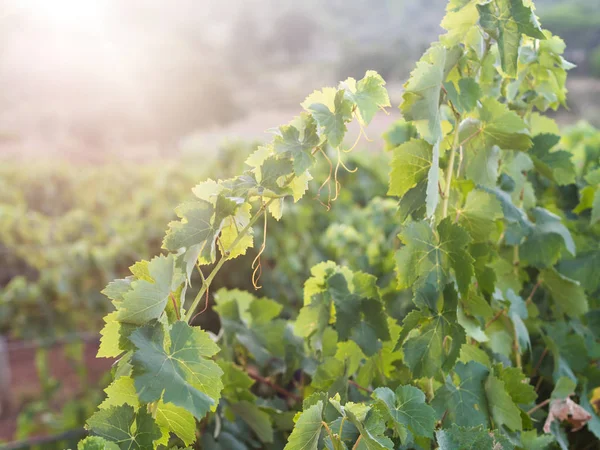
498, 335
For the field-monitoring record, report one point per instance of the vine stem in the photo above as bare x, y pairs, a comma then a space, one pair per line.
358, 386
208, 280
517, 348
450, 169
536, 407
274, 386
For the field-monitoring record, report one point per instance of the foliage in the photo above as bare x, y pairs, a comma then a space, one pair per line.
499, 261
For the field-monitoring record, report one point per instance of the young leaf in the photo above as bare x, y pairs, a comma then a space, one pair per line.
368, 94
333, 121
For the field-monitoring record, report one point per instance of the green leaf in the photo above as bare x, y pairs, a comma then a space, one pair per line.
370, 425
464, 404
517, 223
460, 19
194, 228
563, 388
400, 132
427, 257
567, 293
494, 124
110, 335
181, 374
347, 305
120, 424
437, 345
548, 238
256, 419
177, 420
421, 98
583, 269
465, 95
410, 164
305, 435
298, 142
271, 172
369, 95
482, 166
333, 121
479, 214
121, 392
96, 443
557, 165
502, 408
531, 441
407, 410
148, 297
463, 438
506, 21
516, 384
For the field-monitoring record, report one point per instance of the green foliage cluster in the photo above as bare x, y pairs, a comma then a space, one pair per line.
488, 324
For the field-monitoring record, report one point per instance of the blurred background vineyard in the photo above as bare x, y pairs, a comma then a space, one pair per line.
110, 112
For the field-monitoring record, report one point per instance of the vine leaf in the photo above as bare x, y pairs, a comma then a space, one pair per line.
230, 231
298, 140
427, 257
506, 21
309, 423
407, 410
421, 98
149, 295
120, 424
181, 374
516, 384
549, 236
464, 95
410, 164
96, 443
171, 418
502, 408
567, 293
369, 423
333, 121
464, 404
368, 94
460, 19
479, 214
494, 124
358, 313
437, 345
195, 228
472, 438
556, 165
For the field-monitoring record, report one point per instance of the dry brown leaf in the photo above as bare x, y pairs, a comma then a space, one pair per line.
565, 409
